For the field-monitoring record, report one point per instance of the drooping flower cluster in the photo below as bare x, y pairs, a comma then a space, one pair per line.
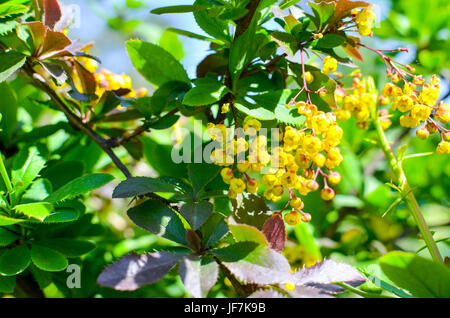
292, 166
417, 101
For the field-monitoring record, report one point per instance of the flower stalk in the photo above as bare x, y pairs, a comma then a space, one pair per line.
404, 187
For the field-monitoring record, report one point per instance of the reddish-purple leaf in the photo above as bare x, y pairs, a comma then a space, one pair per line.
53, 42
134, 271
323, 275
275, 232
52, 13
198, 275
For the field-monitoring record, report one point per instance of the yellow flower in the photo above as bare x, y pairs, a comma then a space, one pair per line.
329, 65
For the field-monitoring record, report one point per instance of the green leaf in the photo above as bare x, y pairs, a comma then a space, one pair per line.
323, 11
156, 217
62, 216
37, 210
247, 233
179, 9
170, 42
10, 62
8, 109
26, 168
196, 213
201, 174
213, 230
7, 237
15, 261
139, 186
286, 41
7, 284
154, 63
68, 247
48, 259
193, 35
79, 186
162, 163
330, 41
420, 276
5, 220
206, 93
8, 9
244, 50
211, 25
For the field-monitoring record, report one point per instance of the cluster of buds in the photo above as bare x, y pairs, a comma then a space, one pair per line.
292, 165
358, 102
109, 81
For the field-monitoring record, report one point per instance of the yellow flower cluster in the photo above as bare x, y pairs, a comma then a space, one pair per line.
109, 81
292, 166
364, 20
357, 102
420, 107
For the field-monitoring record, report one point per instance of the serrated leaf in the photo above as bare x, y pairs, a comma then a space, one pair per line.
418, 275
250, 209
39, 190
10, 62
138, 186
246, 233
8, 9
322, 276
62, 216
254, 263
15, 261
275, 232
156, 64
48, 259
7, 237
198, 275
156, 217
196, 213
26, 168
134, 271
79, 186
37, 210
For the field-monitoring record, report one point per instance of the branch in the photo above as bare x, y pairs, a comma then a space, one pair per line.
77, 123
116, 142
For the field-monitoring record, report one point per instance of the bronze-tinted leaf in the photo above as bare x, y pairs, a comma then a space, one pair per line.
275, 232
52, 13
134, 271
